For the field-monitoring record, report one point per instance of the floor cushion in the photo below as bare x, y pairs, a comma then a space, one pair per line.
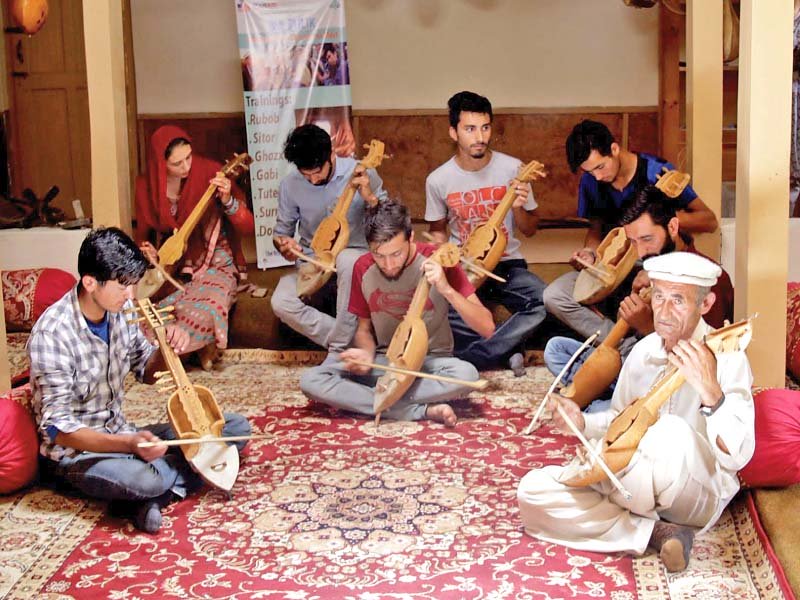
27, 293
19, 442
776, 461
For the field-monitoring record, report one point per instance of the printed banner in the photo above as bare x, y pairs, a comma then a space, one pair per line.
295, 70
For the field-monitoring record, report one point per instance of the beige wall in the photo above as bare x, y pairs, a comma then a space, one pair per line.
416, 53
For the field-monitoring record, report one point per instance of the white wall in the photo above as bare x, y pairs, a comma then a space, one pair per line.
416, 53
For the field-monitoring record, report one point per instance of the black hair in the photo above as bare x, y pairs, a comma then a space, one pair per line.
585, 137
174, 143
385, 220
467, 102
308, 147
109, 254
652, 201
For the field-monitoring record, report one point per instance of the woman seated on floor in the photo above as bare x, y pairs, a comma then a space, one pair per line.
213, 263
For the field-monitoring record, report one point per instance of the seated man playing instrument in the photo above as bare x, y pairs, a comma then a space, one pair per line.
652, 225
463, 194
80, 351
682, 474
612, 177
306, 196
384, 283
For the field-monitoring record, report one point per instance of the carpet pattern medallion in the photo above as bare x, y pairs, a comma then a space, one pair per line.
333, 507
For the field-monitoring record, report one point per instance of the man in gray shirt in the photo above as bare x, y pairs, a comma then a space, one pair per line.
306, 197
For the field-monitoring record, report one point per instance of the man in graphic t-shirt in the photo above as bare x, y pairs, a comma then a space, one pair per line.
383, 285
462, 194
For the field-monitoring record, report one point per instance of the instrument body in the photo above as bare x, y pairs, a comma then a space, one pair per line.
629, 426
173, 248
615, 259
333, 233
194, 414
602, 367
409, 344
487, 242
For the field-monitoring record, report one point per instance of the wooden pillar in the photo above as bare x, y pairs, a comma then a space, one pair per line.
5, 368
762, 181
105, 74
669, 25
704, 109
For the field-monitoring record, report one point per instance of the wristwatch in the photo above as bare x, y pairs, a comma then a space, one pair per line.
707, 411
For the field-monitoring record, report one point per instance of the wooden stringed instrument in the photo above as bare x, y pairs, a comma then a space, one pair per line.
602, 367
192, 409
615, 259
333, 233
409, 345
629, 426
487, 242
173, 248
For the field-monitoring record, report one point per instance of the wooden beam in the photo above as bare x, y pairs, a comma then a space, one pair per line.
669, 83
105, 76
762, 181
704, 109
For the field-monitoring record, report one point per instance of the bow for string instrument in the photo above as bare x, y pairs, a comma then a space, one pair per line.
173, 247
615, 259
409, 345
192, 409
486, 243
333, 233
602, 367
629, 427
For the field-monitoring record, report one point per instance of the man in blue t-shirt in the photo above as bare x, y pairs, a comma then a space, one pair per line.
612, 176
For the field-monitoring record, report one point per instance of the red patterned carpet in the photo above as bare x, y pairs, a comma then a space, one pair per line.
333, 508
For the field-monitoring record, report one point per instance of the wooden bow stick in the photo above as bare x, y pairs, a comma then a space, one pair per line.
205, 440
312, 260
468, 263
599, 459
605, 276
165, 274
557, 380
476, 385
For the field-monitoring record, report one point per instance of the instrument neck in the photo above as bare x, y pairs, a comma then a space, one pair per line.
663, 390
502, 209
419, 299
194, 217
344, 201
172, 360
617, 333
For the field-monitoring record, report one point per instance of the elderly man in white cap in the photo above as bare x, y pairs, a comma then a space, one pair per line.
683, 473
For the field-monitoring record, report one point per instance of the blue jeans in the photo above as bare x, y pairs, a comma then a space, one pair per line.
522, 296
120, 476
557, 353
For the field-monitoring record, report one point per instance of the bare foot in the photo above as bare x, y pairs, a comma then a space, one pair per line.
442, 413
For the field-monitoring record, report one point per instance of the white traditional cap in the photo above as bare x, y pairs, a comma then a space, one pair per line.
683, 267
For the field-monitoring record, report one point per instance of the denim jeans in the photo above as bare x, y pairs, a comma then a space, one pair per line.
522, 296
557, 353
120, 476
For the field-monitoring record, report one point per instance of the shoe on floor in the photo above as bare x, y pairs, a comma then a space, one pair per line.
517, 364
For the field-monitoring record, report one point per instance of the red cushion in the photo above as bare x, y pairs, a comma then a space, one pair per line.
19, 442
28, 292
776, 462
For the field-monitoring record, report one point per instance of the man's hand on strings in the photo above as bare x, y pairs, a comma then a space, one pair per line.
360, 181
698, 365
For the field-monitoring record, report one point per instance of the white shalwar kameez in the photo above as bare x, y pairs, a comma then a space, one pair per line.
678, 473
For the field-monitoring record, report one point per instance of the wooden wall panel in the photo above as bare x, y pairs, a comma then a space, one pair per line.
419, 142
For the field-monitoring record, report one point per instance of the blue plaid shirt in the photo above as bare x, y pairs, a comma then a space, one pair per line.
77, 379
